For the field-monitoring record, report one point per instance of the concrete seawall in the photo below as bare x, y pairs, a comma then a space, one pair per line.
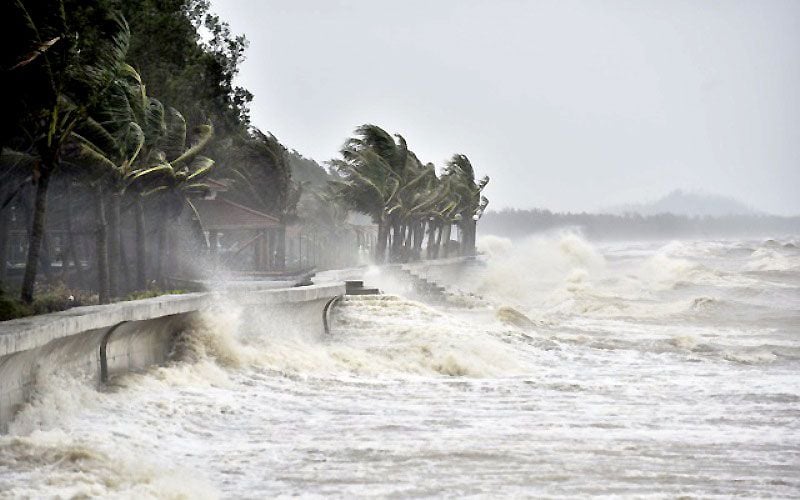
97, 342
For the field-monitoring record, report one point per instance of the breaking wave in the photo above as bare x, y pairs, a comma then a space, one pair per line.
566, 275
391, 336
571, 332
54, 464
767, 259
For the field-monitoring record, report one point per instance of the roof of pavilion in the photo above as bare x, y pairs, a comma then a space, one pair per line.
222, 214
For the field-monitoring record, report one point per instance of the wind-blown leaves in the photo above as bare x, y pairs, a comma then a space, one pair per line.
174, 141
265, 173
383, 178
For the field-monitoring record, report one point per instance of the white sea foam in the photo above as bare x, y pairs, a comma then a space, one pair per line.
54, 464
626, 371
767, 259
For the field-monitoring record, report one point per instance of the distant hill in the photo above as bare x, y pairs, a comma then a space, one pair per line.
681, 202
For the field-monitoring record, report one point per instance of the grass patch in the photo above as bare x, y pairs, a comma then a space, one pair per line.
47, 299
57, 297
153, 292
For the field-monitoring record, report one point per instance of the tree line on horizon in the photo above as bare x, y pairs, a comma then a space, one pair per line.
121, 115
518, 223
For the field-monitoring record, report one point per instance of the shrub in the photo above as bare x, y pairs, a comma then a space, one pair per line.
12, 308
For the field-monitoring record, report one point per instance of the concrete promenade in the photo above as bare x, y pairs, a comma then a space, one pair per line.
99, 341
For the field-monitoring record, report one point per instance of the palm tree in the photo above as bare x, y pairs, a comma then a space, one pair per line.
266, 176
176, 177
57, 81
324, 213
111, 140
419, 197
471, 204
125, 135
367, 187
374, 168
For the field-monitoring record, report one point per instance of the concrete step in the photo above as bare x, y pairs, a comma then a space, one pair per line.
351, 284
363, 291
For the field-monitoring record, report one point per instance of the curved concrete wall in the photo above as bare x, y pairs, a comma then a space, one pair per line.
99, 341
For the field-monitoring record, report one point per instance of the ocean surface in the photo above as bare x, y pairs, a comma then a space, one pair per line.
649, 369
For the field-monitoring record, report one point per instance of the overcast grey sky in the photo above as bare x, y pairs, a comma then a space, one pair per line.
569, 105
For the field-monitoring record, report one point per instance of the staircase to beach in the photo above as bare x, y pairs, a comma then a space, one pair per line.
429, 290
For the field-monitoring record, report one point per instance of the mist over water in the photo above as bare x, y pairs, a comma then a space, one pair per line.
663, 369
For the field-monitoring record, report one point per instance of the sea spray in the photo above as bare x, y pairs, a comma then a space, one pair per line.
654, 382
537, 268
557, 275
388, 336
55, 464
56, 397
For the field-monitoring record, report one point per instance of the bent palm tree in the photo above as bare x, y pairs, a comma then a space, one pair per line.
374, 168
177, 176
123, 135
111, 140
471, 204
57, 83
266, 175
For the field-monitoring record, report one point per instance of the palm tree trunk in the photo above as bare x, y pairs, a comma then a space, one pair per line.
44, 257
114, 243
44, 254
125, 280
162, 254
36, 236
71, 253
280, 251
409, 242
472, 226
445, 239
431, 241
436, 236
4, 230
102, 246
380, 245
408, 230
397, 241
419, 235
141, 244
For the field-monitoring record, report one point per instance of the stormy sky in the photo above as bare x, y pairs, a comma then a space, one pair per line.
568, 105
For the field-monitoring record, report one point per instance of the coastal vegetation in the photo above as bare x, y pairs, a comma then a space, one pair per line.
382, 178
123, 119
515, 223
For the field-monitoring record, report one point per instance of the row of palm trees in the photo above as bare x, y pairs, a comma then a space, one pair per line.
411, 205
85, 119
81, 119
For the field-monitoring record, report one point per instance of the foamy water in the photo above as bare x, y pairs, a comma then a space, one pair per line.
644, 369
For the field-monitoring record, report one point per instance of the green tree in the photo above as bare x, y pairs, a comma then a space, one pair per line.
471, 204
191, 72
56, 78
179, 172
372, 168
265, 178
